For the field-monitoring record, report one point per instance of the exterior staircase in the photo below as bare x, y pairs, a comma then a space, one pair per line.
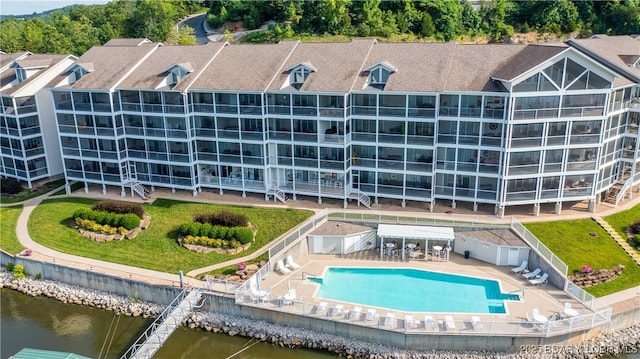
361, 197
138, 188
612, 196
278, 194
622, 242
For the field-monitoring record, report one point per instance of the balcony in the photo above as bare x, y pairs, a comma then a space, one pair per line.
532, 114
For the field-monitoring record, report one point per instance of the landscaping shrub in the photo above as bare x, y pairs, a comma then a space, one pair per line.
130, 221
120, 207
83, 213
635, 227
205, 229
223, 218
18, 271
10, 186
243, 234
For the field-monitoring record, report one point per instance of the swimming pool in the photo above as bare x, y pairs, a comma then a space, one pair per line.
412, 290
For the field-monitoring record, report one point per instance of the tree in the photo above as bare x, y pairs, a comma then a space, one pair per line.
183, 36
427, 29
447, 16
152, 20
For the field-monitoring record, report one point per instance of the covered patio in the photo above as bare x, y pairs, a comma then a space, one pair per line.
412, 234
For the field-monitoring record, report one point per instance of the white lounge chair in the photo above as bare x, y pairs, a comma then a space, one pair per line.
290, 297
354, 314
539, 281
449, 322
260, 295
280, 267
408, 321
429, 323
321, 308
389, 319
371, 314
337, 310
532, 274
521, 268
476, 323
291, 264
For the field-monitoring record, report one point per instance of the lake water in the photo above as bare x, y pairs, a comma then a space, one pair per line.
43, 323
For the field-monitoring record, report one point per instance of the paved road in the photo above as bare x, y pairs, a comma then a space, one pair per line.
196, 22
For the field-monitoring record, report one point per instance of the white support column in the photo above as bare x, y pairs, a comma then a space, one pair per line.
592, 205
475, 206
536, 209
558, 208
104, 189
195, 192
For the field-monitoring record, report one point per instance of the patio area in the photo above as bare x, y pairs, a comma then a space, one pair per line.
520, 319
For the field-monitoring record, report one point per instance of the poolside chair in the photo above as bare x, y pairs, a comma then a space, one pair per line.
429, 323
337, 310
476, 323
539, 281
291, 264
370, 315
354, 314
280, 267
408, 321
521, 268
321, 308
532, 274
389, 319
259, 295
449, 322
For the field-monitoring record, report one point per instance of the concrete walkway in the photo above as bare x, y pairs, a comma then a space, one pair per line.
43, 253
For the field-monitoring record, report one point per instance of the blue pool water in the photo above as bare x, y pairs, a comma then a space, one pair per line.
413, 290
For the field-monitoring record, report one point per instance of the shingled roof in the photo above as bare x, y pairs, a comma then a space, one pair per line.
609, 49
41, 62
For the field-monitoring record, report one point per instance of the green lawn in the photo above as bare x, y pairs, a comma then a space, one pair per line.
621, 220
28, 194
571, 242
157, 247
8, 220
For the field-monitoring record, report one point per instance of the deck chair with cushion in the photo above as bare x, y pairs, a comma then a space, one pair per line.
321, 308
475, 322
291, 264
521, 268
354, 314
336, 311
280, 267
532, 274
408, 321
430, 323
450, 324
389, 319
371, 314
539, 281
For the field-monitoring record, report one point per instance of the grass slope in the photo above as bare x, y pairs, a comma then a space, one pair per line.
8, 220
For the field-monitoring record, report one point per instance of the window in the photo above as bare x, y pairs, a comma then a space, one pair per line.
378, 77
78, 72
298, 76
21, 74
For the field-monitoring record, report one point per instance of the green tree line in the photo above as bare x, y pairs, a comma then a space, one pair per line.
427, 19
75, 29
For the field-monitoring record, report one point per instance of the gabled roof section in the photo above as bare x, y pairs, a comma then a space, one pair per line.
127, 42
384, 64
110, 65
420, 66
153, 71
608, 50
8, 59
528, 57
39, 63
307, 65
87, 66
338, 65
244, 67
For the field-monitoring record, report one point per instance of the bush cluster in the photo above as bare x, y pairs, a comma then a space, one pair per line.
10, 185
97, 227
243, 235
222, 218
120, 207
635, 227
127, 220
211, 242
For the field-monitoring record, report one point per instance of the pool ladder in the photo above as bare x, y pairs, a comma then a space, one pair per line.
521, 290
308, 275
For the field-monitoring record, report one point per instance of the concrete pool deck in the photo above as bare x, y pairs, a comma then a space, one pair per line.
548, 299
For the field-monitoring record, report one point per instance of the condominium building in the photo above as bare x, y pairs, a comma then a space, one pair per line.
491, 124
28, 133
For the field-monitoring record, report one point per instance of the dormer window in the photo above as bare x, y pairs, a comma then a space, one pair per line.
299, 73
379, 74
79, 70
21, 74
176, 72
